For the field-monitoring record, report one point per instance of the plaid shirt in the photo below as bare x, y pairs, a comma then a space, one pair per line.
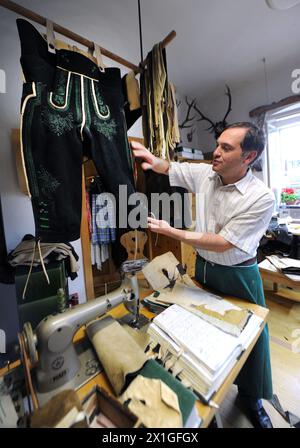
103, 219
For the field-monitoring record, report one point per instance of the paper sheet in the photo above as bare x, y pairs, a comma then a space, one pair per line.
279, 263
205, 342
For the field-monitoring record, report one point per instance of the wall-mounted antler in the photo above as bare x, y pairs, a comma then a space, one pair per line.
187, 122
219, 126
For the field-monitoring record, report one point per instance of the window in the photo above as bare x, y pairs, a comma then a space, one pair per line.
283, 127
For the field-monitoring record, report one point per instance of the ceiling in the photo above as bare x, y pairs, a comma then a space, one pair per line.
218, 41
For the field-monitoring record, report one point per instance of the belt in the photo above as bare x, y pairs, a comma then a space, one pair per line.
244, 263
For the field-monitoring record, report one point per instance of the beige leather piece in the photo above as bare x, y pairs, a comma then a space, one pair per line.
98, 56
133, 91
118, 352
50, 36
55, 410
141, 338
153, 402
61, 45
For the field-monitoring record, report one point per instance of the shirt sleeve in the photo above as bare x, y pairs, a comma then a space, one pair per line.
246, 230
187, 175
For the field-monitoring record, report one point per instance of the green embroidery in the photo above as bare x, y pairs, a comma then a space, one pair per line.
58, 98
101, 109
104, 110
60, 90
57, 124
48, 183
107, 128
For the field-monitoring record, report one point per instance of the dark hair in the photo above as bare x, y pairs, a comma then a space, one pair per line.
254, 139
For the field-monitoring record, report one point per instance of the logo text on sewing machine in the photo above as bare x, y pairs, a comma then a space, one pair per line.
2, 341
296, 82
59, 375
2, 81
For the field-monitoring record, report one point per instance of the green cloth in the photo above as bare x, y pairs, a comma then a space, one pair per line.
186, 398
244, 282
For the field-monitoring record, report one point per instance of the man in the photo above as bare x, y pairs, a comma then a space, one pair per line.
233, 210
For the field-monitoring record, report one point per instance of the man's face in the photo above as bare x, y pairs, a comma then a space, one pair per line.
228, 159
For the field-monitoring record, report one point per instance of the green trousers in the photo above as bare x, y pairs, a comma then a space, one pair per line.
244, 282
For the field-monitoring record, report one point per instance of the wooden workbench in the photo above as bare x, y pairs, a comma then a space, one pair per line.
277, 278
205, 412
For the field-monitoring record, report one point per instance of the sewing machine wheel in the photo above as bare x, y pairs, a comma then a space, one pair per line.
29, 340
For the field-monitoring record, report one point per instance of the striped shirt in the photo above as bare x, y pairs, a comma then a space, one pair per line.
240, 212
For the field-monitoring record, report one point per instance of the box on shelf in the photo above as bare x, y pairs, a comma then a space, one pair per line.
189, 153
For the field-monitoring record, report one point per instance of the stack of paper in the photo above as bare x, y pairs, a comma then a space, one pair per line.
196, 351
212, 308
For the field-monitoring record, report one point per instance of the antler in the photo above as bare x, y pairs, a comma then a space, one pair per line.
204, 118
228, 93
188, 119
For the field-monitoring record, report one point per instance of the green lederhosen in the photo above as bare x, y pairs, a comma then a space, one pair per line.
244, 282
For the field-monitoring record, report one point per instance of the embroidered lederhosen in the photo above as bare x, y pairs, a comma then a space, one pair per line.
69, 109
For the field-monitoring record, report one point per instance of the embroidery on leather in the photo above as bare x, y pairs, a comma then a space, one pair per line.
107, 128
101, 109
104, 110
48, 183
60, 90
57, 124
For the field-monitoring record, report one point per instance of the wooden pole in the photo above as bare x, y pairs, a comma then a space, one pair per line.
12, 6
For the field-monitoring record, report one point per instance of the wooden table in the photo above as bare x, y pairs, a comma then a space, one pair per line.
275, 277
205, 412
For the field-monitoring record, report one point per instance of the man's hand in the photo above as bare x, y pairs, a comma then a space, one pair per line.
162, 227
150, 161
207, 241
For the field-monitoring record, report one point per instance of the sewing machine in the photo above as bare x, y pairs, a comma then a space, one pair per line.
58, 362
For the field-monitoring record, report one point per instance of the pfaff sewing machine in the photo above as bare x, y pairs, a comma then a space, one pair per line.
61, 364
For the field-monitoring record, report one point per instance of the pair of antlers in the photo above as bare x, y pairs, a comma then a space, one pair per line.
214, 127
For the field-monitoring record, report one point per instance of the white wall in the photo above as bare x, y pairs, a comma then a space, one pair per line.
245, 97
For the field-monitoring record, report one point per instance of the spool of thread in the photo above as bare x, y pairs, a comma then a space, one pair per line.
61, 300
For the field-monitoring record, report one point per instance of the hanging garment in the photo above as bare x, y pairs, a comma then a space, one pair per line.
154, 89
70, 109
255, 378
173, 134
103, 228
161, 134
103, 220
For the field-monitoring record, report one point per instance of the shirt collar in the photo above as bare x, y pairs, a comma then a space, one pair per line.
240, 185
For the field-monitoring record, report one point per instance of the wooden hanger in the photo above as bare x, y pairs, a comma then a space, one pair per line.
134, 243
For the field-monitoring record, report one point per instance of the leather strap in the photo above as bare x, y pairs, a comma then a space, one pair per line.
50, 36
99, 58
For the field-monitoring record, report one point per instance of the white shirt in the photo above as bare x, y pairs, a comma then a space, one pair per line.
240, 212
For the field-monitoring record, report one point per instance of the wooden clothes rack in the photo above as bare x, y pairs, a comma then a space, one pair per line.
12, 6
